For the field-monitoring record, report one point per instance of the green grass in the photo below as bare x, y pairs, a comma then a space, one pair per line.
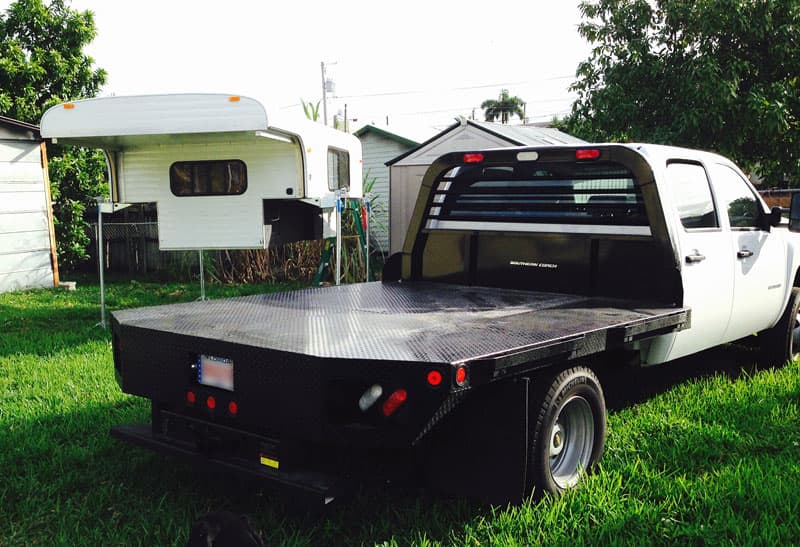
714, 459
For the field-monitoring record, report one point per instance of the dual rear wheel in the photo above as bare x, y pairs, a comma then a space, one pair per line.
568, 430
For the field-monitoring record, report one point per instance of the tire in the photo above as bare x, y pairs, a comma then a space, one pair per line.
568, 431
781, 343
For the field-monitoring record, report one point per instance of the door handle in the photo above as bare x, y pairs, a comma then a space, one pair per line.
695, 258
744, 253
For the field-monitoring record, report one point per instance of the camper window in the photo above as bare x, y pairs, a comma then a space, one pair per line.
338, 169
208, 178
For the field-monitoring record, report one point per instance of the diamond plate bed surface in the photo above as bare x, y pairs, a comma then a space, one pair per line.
420, 321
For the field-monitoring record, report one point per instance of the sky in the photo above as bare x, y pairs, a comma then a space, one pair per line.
411, 63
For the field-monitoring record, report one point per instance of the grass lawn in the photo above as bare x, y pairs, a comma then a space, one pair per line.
707, 452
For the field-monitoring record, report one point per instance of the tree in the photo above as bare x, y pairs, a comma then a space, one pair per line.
503, 108
713, 74
311, 110
41, 64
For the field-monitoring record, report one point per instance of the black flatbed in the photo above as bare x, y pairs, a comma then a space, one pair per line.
421, 322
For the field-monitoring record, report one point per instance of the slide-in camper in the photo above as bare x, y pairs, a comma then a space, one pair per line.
223, 174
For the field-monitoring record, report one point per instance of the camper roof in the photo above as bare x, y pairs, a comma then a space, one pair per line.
152, 115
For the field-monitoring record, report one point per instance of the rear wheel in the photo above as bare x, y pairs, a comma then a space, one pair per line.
569, 431
781, 343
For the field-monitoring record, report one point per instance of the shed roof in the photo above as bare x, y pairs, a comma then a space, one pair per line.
16, 129
515, 135
407, 136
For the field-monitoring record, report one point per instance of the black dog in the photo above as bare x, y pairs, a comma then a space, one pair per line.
224, 529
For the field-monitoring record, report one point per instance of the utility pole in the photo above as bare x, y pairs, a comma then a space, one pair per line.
328, 86
324, 95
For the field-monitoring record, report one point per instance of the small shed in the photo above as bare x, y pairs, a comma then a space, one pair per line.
406, 171
379, 145
27, 237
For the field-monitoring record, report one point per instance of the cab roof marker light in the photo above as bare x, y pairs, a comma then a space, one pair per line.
473, 158
69, 106
234, 98
370, 397
587, 154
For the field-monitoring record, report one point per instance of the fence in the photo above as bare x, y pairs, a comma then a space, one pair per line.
132, 247
778, 197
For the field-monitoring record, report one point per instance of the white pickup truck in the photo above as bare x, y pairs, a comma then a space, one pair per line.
525, 274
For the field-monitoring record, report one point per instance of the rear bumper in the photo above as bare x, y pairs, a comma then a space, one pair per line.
312, 486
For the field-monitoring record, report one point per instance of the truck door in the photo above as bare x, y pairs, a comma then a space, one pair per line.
707, 260
758, 254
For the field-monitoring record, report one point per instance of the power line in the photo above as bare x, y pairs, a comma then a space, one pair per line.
440, 90
465, 88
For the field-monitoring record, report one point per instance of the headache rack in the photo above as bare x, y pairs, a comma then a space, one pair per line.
536, 196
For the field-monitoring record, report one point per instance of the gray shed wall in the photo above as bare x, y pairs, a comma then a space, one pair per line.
25, 225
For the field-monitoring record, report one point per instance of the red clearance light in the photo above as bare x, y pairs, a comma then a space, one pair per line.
191, 398
435, 378
461, 376
394, 401
233, 408
211, 402
473, 158
587, 154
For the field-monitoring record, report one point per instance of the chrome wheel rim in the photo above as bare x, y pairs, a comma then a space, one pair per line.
571, 442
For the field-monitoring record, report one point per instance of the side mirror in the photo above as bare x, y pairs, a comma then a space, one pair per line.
774, 217
794, 213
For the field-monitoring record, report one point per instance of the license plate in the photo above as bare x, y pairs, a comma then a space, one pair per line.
215, 372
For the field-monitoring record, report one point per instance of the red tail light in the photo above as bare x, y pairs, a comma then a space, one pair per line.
233, 408
473, 158
461, 376
434, 378
191, 398
587, 154
394, 402
211, 402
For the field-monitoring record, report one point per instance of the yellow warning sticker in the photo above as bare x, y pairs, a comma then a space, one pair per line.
269, 462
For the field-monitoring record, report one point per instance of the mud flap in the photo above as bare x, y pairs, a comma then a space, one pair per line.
480, 450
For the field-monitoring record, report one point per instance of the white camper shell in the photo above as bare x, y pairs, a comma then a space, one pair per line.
223, 174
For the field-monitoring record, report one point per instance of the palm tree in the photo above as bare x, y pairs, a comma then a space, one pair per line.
503, 108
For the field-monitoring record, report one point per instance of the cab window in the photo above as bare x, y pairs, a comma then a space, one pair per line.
736, 196
691, 193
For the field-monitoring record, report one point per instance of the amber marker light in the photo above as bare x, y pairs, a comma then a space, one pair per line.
234, 98
68, 106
